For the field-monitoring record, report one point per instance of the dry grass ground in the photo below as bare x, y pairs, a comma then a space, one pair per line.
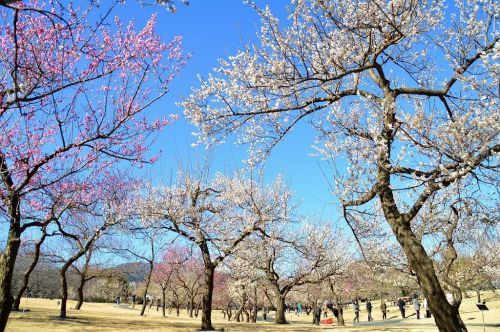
43, 316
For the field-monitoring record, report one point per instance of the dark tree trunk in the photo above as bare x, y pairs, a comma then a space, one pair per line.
64, 289
446, 316
254, 307
148, 280
64, 281
84, 278
9, 254
478, 294
247, 316
7, 262
280, 309
79, 303
27, 273
206, 313
338, 304
191, 307
163, 295
197, 310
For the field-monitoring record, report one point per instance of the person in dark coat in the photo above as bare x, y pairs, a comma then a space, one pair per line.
369, 310
317, 314
355, 305
401, 305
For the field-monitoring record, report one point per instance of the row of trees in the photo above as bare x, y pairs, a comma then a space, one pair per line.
232, 243
403, 95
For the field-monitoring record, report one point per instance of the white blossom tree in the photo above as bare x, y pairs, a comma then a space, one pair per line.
404, 95
216, 215
295, 255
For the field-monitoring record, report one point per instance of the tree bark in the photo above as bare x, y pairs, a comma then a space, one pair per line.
79, 303
84, 278
148, 280
27, 273
206, 313
64, 281
446, 316
280, 309
9, 254
338, 304
64, 289
7, 262
164, 303
191, 307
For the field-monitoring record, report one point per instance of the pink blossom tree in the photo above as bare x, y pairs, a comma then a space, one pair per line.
167, 269
73, 91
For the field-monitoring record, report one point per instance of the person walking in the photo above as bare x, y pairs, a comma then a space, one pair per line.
356, 311
383, 309
158, 304
299, 308
317, 314
401, 305
427, 309
369, 310
133, 301
416, 305
335, 311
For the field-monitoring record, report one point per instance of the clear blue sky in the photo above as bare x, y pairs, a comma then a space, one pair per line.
213, 30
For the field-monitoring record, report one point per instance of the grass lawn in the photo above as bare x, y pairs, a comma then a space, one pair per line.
43, 316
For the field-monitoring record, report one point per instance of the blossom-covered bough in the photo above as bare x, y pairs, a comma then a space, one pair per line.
73, 91
404, 95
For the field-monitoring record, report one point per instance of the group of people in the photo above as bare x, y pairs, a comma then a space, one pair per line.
401, 303
297, 308
416, 306
323, 308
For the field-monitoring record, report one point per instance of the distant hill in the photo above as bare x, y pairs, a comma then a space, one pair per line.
134, 272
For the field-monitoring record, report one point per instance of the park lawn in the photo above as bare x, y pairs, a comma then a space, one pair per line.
43, 316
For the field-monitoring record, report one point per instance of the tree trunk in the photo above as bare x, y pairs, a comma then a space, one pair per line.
163, 295
280, 309
478, 294
148, 280
27, 273
64, 282
338, 304
254, 307
247, 316
9, 254
7, 262
80, 292
206, 313
446, 315
64, 289
191, 307
197, 310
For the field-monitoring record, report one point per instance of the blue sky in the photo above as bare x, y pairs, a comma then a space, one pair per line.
212, 30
